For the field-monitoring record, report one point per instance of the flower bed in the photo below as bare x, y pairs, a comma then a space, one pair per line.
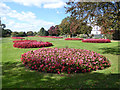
97, 40
17, 38
55, 60
74, 39
50, 36
30, 44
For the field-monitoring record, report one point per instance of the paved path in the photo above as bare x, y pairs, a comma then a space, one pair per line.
115, 40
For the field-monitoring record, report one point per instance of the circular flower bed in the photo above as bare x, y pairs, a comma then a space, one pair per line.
74, 39
96, 40
17, 38
55, 60
30, 44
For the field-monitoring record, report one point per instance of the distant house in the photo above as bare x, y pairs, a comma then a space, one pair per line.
95, 29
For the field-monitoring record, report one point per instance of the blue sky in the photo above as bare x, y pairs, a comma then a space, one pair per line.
24, 15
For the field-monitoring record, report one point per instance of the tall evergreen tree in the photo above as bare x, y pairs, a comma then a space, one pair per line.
42, 32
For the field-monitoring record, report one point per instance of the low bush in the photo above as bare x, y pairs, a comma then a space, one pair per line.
57, 60
74, 39
96, 40
30, 44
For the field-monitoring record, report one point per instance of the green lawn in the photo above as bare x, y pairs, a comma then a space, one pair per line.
15, 75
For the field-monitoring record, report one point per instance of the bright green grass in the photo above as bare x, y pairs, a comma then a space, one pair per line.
15, 75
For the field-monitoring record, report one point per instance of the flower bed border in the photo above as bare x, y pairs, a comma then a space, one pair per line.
74, 39
97, 40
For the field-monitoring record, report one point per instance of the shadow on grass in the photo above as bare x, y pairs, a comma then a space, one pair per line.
16, 76
111, 50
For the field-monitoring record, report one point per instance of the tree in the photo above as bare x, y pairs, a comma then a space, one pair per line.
105, 14
72, 26
54, 31
30, 33
3, 26
6, 32
15, 34
18, 34
65, 26
22, 34
42, 32
35, 33
46, 33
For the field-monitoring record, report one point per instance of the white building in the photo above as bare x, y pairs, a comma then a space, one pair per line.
95, 29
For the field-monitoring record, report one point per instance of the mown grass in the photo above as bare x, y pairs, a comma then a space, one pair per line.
15, 75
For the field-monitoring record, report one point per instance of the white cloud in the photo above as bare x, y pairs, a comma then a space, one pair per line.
21, 21
39, 3
54, 5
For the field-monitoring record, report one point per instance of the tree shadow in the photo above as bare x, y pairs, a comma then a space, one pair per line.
15, 75
111, 50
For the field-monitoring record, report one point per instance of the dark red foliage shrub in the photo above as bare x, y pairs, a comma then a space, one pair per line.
97, 40
56, 60
74, 39
30, 44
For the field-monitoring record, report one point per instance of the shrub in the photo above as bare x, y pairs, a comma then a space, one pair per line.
96, 40
56, 60
17, 38
116, 35
30, 44
74, 39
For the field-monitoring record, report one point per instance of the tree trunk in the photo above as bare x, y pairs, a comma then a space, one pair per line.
70, 35
88, 35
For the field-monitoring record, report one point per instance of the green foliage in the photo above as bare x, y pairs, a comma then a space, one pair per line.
116, 35
3, 26
22, 34
6, 32
35, 33
14, 34
109, 36
70, 25
18, 34
65, 26
105, 14
30, 33
43, 32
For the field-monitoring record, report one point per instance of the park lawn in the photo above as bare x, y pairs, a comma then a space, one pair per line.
15, 75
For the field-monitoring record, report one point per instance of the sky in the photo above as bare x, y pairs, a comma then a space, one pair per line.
31, 15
